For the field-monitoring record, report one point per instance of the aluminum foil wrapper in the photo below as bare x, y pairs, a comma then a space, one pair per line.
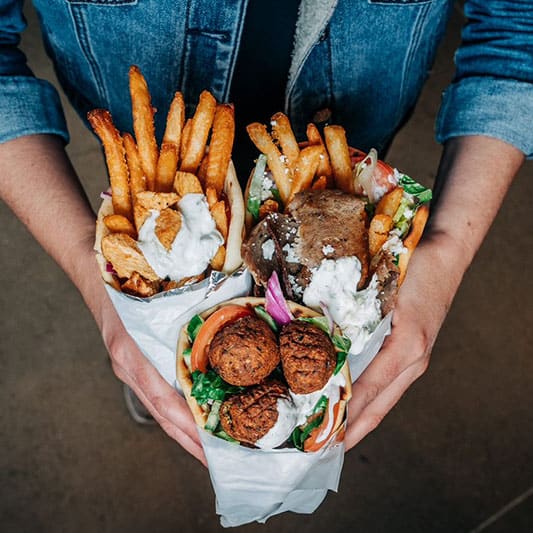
154, 323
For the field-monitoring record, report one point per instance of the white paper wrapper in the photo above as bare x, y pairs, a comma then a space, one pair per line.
359, 362
253, 485
154, 323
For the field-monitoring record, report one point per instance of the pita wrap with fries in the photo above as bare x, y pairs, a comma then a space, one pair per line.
170, 228
338, 225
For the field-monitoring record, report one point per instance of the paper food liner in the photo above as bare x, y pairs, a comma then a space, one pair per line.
154, 323
253, 484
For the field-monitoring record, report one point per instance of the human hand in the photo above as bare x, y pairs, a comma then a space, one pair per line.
423, 302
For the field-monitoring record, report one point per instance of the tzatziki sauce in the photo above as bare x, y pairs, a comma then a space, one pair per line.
195, 245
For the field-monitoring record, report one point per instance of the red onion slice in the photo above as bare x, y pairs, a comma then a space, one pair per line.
275, 302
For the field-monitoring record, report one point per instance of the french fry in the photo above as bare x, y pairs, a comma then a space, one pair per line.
103, 126
378, 232
167, 226
124, 254
201, 124
185, 136
305, 170
175, 121
283, 134
220, 147
211, 196
167, 165
218, 261
269, 206
218, 212
137, 179
120, 224
187, 183
201, 174
281, 172
324, 167
389, 203
340, 157
320, 184
412, 240
143, 125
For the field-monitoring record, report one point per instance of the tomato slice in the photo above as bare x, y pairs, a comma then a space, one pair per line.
311, 444
382, 172
213, 323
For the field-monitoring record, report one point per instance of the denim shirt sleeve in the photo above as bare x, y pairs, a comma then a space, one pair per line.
492, 92
27, 105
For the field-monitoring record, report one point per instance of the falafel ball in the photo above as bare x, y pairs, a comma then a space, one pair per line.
249, 416
244, 352
308, 356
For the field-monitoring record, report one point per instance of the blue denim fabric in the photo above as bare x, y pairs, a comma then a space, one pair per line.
368, 65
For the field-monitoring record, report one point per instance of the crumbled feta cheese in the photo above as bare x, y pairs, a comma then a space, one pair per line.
290, 254
268, 249
328, 249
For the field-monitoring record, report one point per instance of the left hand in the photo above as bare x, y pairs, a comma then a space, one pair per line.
423, 301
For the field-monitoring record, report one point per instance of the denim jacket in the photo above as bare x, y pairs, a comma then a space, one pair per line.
365, 60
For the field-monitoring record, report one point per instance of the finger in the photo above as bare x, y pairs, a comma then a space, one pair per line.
361, 423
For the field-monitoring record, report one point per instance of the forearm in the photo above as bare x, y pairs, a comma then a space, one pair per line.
473, 178
39, 184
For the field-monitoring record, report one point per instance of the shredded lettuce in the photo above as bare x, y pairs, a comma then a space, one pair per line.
409, 185
262, 313
194, 326
211, 387
254, 193
300, 433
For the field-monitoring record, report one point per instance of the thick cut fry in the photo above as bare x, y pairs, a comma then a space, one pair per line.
103, 126
412, 240
201, 124
136, 285
324, 167
283, 134
211, 196
388, 205
175, 121
281, 173
167, 226
187, 183
220, 147
218, 212
218, 261
269, 206
378, 233
320, 184
339, 157
167, 165
185, 136
201, 174
137, 179
120, 224
123, 253
305, 170
143, 125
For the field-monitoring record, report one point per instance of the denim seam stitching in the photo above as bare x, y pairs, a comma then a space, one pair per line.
78, 15
416, 35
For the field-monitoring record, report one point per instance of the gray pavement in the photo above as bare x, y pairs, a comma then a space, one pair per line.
455, 455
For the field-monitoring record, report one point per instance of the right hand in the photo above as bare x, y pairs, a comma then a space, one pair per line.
163, 402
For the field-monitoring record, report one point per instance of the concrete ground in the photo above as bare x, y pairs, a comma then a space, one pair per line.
456, 454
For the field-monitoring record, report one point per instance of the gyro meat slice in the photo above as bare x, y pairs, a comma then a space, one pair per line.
308, 356
126, 257
249, 416
167, 226
139, 286
244, 352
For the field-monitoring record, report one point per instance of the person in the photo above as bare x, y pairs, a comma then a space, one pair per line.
360, 63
